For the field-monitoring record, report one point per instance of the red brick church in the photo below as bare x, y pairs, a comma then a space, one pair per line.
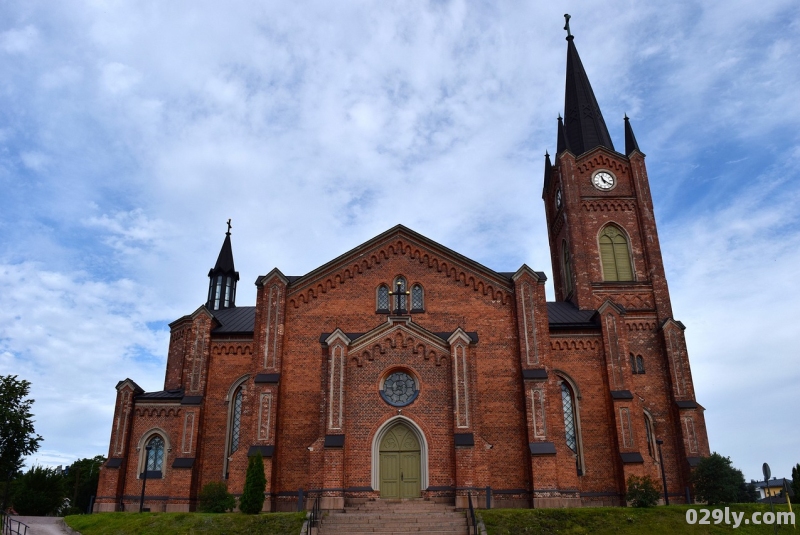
402, 369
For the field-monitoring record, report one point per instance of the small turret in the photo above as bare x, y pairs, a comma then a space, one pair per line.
630, 140
223, 278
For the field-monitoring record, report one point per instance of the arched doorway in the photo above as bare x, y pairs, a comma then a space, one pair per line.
400, 463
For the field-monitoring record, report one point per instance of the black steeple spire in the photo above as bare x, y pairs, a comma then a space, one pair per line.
584, 124
630, 140
223, 277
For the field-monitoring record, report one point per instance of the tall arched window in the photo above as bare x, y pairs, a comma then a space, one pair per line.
566, 268
236, 420
639, 364
382, 301
417, 299
155, 457
651, 435
571, 425
615, 255
400, 301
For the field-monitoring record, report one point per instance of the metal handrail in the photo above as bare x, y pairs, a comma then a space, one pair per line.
8, 527
473, 520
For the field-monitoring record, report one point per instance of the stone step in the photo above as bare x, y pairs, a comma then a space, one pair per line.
395, 517
462, 531
383, 525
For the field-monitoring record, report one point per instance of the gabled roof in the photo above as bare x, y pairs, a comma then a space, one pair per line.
391, 235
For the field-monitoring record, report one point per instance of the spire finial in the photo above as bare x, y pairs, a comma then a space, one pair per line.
567, 16
229, 228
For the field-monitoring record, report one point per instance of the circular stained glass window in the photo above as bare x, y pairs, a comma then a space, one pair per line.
399, 389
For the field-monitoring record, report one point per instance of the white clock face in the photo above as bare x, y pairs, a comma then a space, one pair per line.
603, 180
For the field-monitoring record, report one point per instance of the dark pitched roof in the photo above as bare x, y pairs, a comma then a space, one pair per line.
566, 315
630, 140
583, 122
235, 320
167, 395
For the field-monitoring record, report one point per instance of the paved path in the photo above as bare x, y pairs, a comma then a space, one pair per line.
43, 525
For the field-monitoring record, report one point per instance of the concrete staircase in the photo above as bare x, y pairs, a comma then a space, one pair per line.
395, 517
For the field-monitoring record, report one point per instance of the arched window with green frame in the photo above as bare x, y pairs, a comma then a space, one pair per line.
615, 255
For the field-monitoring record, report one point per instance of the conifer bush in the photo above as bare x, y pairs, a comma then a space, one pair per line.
215, 498
252, 499
642, 491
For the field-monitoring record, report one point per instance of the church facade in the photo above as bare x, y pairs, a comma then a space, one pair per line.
403, 369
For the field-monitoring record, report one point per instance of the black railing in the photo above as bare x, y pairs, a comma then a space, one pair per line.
11, 526
472, 520
315, 514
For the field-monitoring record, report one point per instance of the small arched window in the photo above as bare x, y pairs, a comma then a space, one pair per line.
382, 302
155, 457
236, 420
399, 289
417, 299
566, 269
571, 426
639, 364
650, 432
633, 364
615, 255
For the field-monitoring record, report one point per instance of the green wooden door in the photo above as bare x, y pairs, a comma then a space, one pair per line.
400, 463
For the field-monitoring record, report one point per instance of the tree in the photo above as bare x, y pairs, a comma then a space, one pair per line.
252, 499
747, 493
17, 436
39, 492
85, 473
215, 498
716, 481
642, 491
796, 481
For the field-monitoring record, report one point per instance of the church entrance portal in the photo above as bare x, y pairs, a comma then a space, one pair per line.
400, 463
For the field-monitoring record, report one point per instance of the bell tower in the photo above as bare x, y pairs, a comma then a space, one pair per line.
601, 226
223, 278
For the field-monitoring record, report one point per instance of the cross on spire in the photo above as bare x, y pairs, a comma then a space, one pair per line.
229, 228
566, 26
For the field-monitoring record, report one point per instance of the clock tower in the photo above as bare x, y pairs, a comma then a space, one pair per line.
606, 258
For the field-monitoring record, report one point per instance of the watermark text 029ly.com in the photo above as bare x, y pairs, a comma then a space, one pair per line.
726, 516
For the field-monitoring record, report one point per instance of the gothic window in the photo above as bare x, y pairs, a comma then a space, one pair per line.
633, 364
571, 426
399, 389
417, 299
228, 291
383, 299
567, 269
217, 292
236, 420
615, 255
650, 432
400, 301
639, 364
155, 457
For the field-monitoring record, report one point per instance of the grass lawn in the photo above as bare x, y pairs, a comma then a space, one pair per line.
622, 521
187, 523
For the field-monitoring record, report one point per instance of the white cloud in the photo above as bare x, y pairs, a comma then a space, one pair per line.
19, 40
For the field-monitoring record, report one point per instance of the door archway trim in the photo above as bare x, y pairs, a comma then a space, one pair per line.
376, 450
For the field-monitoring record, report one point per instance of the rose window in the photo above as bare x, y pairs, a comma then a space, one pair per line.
399, 389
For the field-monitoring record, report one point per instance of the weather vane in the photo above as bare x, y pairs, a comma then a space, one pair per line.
566, 26
229, 228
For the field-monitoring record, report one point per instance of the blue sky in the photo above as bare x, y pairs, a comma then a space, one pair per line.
131, 131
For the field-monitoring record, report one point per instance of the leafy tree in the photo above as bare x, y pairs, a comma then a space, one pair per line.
17, 436
642, 491
86, 473
747, 493
252, 499
215, 498
716, 481
39, 491
796, 481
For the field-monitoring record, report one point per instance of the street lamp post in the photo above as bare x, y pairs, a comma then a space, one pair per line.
663, 473
144, 478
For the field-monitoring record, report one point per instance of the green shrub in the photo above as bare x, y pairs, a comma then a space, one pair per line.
38, 492
252, 499
642, 491
215, 498
716, 481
